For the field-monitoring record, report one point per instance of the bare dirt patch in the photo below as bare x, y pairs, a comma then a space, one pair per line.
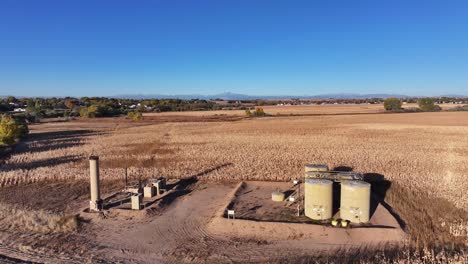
188, 230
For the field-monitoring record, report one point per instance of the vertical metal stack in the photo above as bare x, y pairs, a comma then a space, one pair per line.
95, 204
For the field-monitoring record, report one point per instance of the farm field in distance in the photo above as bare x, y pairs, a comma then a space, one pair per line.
417, 163
327, 109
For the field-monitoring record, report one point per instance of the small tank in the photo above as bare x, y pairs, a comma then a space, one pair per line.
316, 167
355, 201
318, 195
277, 196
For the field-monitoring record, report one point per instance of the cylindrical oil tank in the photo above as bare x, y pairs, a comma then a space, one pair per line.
277, 196
316, 167
318, 196
355, 201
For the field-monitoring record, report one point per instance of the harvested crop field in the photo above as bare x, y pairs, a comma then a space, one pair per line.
418, 161
327, 109
400, 147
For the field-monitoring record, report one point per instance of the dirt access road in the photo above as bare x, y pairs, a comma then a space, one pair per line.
179, 234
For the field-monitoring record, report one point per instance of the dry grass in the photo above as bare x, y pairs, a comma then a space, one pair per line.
388, 255
423, 155
400, 147
14, 218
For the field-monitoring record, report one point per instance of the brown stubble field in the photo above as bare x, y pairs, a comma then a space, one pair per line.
327, 109
422, 158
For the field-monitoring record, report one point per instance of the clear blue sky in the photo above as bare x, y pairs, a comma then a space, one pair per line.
78, 48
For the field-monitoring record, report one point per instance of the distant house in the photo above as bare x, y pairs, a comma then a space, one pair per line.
19, 110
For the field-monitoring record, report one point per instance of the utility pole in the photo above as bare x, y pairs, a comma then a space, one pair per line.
126, 180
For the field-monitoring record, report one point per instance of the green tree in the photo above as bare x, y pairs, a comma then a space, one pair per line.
141, 108
30, 103
427, 104
93, 111
135, 115
259, 112
84, 112
70, 104
33, 114
11, 99
23, 129
11, 130
90, 112
392, 104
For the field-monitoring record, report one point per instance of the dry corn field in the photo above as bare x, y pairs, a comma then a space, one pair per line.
423, 155
427, 151
328, 109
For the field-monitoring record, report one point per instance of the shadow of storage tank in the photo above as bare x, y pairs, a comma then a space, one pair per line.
318, 195
355, 201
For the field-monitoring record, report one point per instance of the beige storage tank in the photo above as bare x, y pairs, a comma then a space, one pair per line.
355, 201
277, 196
318, 196
316, 167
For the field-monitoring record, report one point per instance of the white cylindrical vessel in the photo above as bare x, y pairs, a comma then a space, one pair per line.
355, 201
318, 196
94, 182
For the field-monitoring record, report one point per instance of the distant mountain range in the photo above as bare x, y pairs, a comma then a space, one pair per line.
236, 96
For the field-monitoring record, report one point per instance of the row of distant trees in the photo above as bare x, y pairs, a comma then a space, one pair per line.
90, 107
34, 109
425, 104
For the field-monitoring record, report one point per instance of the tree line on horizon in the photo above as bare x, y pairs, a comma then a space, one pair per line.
424, 105
33, 109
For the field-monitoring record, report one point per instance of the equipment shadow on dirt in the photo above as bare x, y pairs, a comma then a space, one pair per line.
379, 188
184, 186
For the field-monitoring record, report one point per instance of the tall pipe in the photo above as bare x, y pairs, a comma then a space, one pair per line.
94, 181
